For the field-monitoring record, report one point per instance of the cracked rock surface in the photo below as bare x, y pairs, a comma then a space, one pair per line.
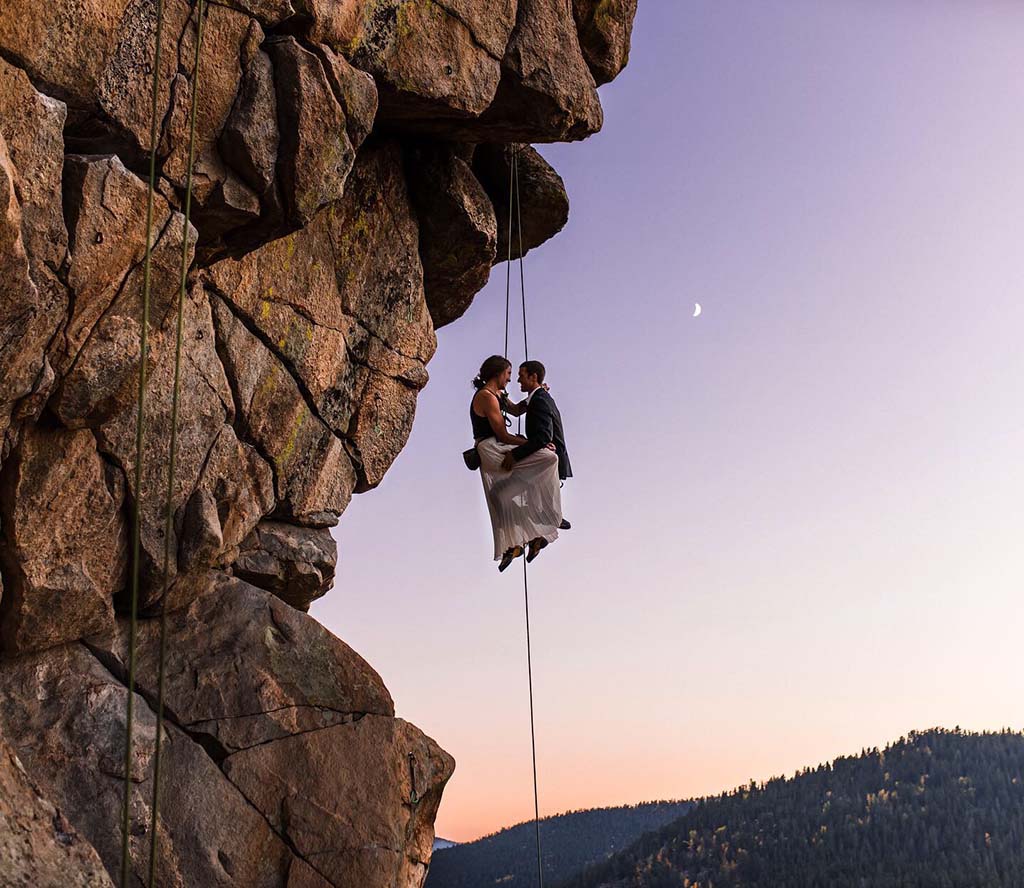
349, 182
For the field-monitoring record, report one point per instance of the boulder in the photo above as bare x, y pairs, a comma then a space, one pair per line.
313, 473
206, 408
316, 148
32, 125
270, 13
356, 799
106, 206
124, 85
64, 714
39, 848
355, 91
432, 59
295, 563
382, 424
17, 290
66, 45
295, 307
64, 540
544, 204
33, 245
234, 490
229, 37
458, 229
339, 339
244, 668
250, 138
546, 93
604, 28
376, 255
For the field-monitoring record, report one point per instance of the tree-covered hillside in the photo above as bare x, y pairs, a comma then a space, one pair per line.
570, 841
938, 809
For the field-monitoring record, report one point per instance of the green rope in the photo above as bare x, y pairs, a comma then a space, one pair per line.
173, 460
139, 439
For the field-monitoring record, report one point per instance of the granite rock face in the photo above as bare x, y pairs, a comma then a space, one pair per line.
63, 539
295, 563
542, 201
454, 208
349, 187
604, 28
39, 848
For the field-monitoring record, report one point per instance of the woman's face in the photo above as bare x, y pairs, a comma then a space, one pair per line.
506, 375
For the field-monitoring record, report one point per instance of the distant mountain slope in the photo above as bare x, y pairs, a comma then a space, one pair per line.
570, 841
938, 809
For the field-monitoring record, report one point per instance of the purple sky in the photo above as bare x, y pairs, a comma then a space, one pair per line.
797, 517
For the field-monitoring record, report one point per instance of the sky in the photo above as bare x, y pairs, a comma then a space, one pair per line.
796, 517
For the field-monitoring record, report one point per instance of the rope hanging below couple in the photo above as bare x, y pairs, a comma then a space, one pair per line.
172, 458
515, 212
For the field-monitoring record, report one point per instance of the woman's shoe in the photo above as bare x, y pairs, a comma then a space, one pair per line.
535, 547
509, 556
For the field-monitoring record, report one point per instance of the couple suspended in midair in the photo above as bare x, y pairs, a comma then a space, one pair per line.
521, 475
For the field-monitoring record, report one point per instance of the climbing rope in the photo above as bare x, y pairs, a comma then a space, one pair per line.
139, 439
140, 453
172, 463
533, 737
514, 205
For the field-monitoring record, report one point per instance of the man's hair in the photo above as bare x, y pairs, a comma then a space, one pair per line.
534, 368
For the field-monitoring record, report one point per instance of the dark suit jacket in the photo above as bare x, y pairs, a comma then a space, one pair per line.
543, 427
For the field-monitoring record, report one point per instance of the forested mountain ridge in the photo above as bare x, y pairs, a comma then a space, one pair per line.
935, 809
570, 842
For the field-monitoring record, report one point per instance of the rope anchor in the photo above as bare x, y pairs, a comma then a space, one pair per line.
413, 797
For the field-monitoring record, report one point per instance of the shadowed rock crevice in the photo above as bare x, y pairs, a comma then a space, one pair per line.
118, 670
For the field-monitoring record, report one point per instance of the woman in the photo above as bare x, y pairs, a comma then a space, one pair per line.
525, 502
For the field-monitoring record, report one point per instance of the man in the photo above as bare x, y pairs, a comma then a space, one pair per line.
543, 422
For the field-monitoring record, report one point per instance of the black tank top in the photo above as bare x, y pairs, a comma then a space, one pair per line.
481, 424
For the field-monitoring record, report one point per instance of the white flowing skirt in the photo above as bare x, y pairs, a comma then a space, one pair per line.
526, 502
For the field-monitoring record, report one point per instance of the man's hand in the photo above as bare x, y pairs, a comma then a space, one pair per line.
550, 445
508, 462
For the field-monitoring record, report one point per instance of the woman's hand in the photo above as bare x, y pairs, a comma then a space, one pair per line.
508, 462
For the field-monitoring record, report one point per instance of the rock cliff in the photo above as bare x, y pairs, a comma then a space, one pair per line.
351, 162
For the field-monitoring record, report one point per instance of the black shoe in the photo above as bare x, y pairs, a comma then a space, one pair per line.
535, 547
509, 556
565, 525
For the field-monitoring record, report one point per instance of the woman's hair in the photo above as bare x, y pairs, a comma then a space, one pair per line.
495, 365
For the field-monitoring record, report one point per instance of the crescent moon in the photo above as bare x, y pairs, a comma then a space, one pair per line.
696, 309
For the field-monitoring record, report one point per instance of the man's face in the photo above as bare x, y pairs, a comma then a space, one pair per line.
527, 383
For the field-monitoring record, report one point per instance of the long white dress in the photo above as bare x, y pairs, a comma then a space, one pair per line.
524, 503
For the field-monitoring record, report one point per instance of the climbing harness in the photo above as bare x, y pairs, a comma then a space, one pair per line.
514, 204
172, 460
